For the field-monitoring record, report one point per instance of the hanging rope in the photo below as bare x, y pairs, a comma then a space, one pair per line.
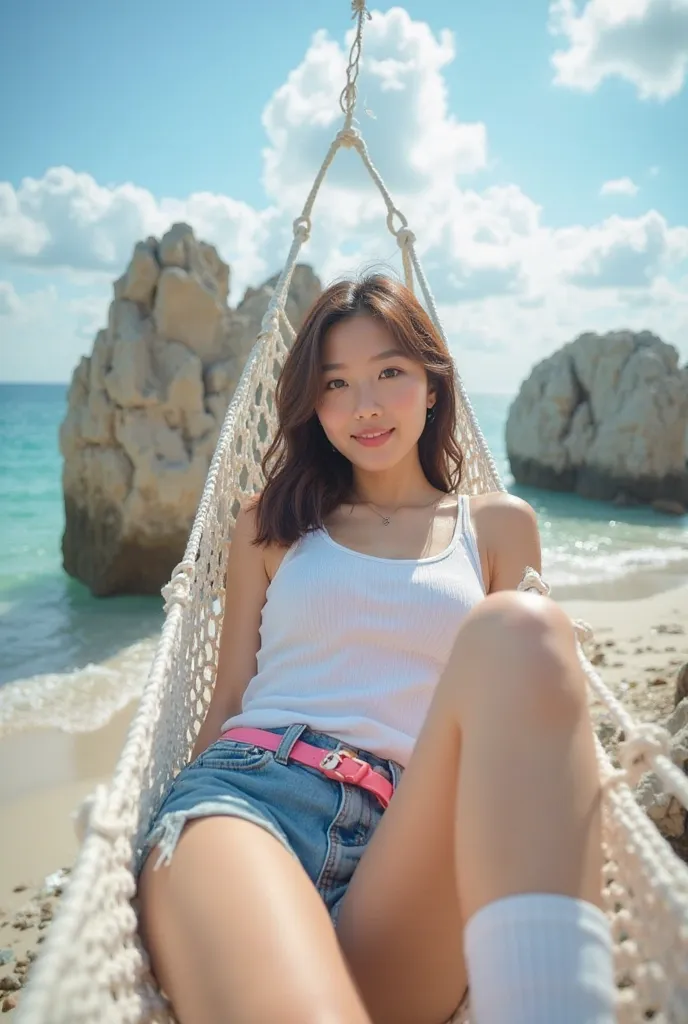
347, 100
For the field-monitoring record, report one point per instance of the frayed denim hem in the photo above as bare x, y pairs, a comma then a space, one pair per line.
167, 831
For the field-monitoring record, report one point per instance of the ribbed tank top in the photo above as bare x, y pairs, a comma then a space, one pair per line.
353, 645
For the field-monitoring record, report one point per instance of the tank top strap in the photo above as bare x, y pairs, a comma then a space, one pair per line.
459, 526
464, 514
466, 532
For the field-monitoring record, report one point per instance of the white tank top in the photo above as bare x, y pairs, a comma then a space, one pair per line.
353, 645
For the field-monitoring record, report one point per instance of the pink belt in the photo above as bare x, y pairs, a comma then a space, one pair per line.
341, 765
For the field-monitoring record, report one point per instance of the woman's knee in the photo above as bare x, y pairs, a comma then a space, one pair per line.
517, 653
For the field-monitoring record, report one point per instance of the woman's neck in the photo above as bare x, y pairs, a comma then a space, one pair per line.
403, 484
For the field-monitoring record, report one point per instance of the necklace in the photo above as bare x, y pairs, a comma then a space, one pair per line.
387, 519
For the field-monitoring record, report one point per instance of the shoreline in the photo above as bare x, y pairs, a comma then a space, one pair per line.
53, 757
82, 698
637, 586
45, 773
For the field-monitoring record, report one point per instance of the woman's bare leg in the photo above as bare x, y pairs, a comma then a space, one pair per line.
237, 932
529, 794
501, 796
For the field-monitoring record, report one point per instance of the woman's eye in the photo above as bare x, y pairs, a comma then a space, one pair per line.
389, 373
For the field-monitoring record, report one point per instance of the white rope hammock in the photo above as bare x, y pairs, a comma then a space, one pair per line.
92, 967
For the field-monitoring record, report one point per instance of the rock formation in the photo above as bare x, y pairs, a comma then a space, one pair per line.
146, 407
605, 417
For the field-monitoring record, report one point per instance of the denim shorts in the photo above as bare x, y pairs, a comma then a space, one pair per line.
324, 823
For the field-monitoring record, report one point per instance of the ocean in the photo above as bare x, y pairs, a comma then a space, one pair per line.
71, 660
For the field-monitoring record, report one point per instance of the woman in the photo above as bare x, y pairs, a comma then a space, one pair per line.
370, 610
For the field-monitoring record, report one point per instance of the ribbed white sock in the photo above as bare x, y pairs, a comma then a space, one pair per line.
540, 958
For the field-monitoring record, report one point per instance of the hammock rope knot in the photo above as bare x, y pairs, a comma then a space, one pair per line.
349, 138
583, 631
93, 815
405, 238
302, 228
533, 581
178, 590
270, 322
644, 742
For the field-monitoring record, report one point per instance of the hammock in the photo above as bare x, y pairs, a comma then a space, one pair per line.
92, 967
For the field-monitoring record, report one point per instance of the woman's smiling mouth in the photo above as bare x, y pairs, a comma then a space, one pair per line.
373, 438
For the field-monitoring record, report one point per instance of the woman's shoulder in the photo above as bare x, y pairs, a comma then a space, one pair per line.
502, 509
508, 538
247, 531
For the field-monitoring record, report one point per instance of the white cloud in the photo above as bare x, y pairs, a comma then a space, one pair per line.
67, 220
20, 234
473, 243
622, 252
10, 303
644, 42
33, 343
418, 140
497, 341
420, 148
46, 330
619, 187
510, 287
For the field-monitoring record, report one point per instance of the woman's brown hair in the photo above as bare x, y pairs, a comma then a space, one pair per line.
305, 479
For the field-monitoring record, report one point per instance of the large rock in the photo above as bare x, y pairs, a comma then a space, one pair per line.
146, 407
605, 417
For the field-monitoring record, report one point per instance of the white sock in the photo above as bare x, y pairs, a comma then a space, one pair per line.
540, 958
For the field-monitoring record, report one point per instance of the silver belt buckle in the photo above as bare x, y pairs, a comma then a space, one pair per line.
331, 760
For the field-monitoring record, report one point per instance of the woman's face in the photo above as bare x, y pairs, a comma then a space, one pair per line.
373, 399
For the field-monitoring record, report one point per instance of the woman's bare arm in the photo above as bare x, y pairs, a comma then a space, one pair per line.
508, 539
245, 590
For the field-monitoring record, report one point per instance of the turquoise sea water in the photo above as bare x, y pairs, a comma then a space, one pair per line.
72, 659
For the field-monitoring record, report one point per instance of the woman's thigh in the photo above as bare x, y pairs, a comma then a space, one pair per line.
299, 806
236, 886
400, 923
235, 929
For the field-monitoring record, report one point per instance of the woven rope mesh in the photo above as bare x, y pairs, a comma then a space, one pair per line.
92, 967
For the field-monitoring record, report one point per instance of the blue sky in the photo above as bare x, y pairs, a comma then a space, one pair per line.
178, 100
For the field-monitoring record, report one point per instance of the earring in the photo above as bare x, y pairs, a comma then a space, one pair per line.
332, 447
430, 414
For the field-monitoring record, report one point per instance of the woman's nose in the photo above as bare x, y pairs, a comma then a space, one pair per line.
367, 404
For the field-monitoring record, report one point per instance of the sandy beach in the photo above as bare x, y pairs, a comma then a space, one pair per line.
45, 774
